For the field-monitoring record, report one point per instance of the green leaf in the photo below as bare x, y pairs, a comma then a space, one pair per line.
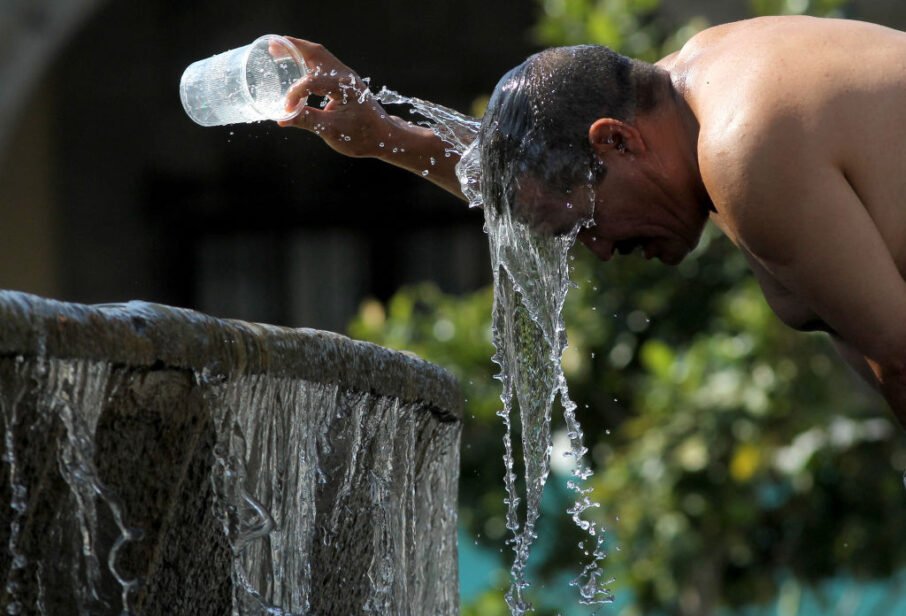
658, 358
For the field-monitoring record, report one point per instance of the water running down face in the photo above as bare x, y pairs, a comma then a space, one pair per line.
608, 224
550, 126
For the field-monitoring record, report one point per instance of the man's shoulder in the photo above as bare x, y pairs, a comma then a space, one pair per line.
749, 149
755, 168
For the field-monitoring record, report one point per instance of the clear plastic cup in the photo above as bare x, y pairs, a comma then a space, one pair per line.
248, 84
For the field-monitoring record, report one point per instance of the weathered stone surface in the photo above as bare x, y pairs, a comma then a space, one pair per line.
152, 335
155, 445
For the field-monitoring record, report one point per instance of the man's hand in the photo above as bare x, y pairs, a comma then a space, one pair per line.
352, 122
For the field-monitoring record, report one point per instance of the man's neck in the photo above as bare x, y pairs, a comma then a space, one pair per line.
676, 127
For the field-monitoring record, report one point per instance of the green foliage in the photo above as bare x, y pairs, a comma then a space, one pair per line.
641, 28
826, 8
731, 452
751, 452
738, 449
452, 331
632, 27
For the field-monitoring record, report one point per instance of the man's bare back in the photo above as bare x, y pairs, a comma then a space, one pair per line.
802, 148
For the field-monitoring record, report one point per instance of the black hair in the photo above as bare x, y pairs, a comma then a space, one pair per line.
538, 117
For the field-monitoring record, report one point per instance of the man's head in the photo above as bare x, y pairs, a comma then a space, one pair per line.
554, 125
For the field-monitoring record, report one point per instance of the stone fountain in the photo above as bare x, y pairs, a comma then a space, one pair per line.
159, 461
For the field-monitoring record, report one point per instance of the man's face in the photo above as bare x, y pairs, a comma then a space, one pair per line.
552, 212
626, 216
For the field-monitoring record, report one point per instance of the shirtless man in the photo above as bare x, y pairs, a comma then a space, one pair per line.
789, 133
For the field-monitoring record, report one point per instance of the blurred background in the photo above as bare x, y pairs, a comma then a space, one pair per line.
741, 468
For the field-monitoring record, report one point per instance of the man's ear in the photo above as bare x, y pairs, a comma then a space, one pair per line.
608, 135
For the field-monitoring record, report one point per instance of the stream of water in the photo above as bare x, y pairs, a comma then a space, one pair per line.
531, 280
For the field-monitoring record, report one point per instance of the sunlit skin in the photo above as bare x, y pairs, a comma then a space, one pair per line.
789, 133
651, 194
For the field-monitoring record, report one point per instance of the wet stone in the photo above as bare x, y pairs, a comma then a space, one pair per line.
158, 461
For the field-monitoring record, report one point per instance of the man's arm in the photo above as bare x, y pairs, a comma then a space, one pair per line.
355, 124
893, 389
892, 383
856, 361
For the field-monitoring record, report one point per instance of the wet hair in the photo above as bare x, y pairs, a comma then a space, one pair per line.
538, 117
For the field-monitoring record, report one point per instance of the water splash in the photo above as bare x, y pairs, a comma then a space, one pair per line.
454, 128
296, 463
9, 411
265, 498
531, 280
303, 473
70, 407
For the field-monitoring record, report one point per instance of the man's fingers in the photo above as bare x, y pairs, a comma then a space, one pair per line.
309, 118
332, 84
278, 51
310, 84
326, 74
317, 82
298, 92
314, 54
308, 49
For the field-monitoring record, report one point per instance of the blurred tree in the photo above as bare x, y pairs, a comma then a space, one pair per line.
733, 454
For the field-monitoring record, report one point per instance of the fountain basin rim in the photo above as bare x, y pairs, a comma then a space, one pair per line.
156, 336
